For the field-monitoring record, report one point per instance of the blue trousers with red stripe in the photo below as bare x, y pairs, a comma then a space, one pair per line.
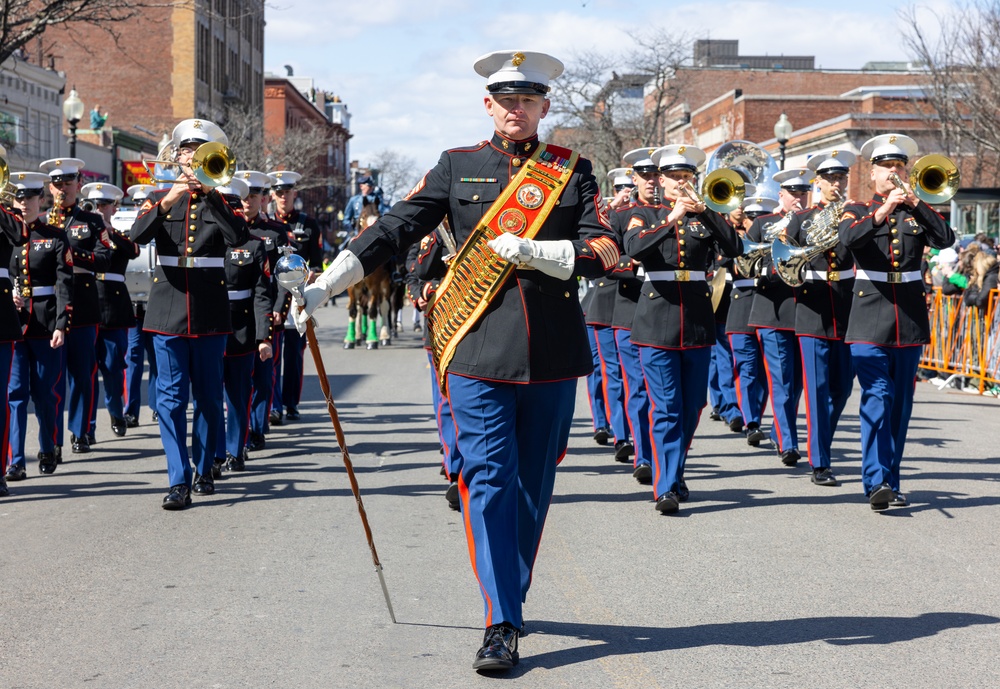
887, 376
452, 459
636, 398
595, 384
677, 384
784, 381
721, 381
611, 373
33, 373
748, 368
237, 375
262, 378
81, 367
827, 379
510, 451
112, 348
293, 368
6, 414
140, 348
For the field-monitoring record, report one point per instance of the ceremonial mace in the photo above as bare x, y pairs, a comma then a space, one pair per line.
291, 272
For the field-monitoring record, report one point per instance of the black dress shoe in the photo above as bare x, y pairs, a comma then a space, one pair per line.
203, 485
255, 442
234, 463
790, 457
79, 445
880, 496
451, 495
46, 463
16, 472
178, 498
131, 421
682, 492
292, 414
643, 474
499, 650
824, 477
275, 417
91, 438
623, 450
714, 415
754, 434
217, 468
898, 500
58, 453
118, 426
668, 503
156, 417
602, 435
736, 425
3, 489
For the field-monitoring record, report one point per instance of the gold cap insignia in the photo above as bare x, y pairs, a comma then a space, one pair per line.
517, 59
196, 124
99, 186
651, 151
834, 154
628, 171
681, 150
58, 163
892, 139
278, 175
20, 175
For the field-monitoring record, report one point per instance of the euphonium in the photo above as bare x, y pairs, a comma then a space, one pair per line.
751, 256
822, 234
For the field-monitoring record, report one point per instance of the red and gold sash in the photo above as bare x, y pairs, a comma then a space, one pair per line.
475, 276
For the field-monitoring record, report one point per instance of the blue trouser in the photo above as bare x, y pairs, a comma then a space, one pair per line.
510, 450
262, 379
81, 367
595, 384
278, 349
35, 370
238, 378
291, 384
827, 379
6, 363
452, 459
189, 366
140, 346
887, 376
677, 383
112, 346
784, 381
611, 373
636, 399
751, 392
721, 386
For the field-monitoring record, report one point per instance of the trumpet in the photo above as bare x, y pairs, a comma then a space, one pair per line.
213, 164
934, 179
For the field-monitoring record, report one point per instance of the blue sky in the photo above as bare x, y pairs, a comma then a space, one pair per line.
404, 67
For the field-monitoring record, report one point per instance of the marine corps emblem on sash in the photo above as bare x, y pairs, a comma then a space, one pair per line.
512, 220
530, 196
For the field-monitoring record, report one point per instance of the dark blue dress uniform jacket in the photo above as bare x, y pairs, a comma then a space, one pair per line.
821, 308
13, 237
629, 286
676, 314
91, 246
884, 313
774, 301
189, 301
46, 261
115, 302
247, 269
273, 235
307, 238
533, 330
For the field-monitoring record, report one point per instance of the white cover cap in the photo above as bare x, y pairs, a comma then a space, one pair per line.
794, 177
137, 192
190, 131
34, 181
889, 147
284, 179
760, 204
236, 187
678, 157
101, 191
831, 161
620, 176
639, 158
255, 179
518, 71
62, 166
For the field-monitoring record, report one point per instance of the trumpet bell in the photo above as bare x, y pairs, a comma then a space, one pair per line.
751, 254
723, 190
214, 164
935, 179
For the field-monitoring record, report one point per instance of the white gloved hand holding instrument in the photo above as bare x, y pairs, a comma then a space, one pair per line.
555, 258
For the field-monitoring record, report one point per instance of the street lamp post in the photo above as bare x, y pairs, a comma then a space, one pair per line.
73, 111
782, 132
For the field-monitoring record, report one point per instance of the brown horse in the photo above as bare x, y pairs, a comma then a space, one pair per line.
369, 299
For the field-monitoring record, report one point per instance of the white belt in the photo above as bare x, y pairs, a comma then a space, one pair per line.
639, 272
895, 278
675, 275
111, 277
729, 276
191, 261
4, 274
744, 282
832, 276
43, 291
237, 294
82, 271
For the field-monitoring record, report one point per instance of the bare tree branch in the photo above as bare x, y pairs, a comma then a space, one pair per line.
397, 173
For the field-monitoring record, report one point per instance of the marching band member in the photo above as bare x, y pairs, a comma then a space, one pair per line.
43, 272
773, 314
595, 379
528, 344
140, 345
188, 312
822, 306
888, 323
91, 246
674, 325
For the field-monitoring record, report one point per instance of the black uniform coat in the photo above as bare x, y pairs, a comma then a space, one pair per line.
273, 235
91, 246
189, 301
307, 238
624, 275
740, 304
424, 262
247, 268
821, 307
47, 261
773, 301
674, 314
883, 313
115, 302
533, 330
13, 234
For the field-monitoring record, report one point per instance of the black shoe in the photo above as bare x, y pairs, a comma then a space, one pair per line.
643, 474
668, 503
754, 435
118, 426
451, 495
203, 485
602, 435
682, 492
736, 425
499, 650
79, 445
234, 463
3, 489
131, 421
790, 457
824, 477
880, 496
16, 472
275, 417
898, 500
178, 498
46, 463
714, 415
623, 450
156, 417
255, 442
217, 468
58, 454
91, 438
292, 414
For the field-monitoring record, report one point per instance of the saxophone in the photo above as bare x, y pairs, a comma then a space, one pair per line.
57, 216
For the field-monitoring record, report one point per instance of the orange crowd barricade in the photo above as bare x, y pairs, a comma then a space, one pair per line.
965, 341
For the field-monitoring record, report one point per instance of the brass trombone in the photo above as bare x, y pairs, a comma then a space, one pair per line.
723, 191
934, 179
213, 164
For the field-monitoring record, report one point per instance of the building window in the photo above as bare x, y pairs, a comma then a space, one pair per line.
8, 130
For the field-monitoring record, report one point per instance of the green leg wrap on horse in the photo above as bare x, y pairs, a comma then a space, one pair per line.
350, 331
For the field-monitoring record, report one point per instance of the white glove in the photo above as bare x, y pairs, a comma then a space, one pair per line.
555, 258
344, 272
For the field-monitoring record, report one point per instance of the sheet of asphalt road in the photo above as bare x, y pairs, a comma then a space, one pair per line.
763, 580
